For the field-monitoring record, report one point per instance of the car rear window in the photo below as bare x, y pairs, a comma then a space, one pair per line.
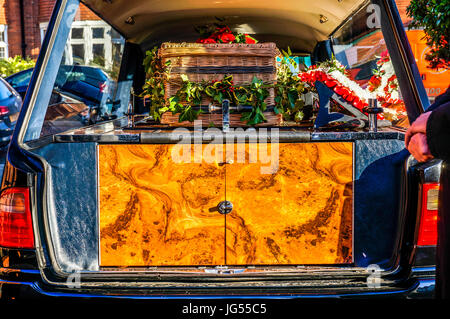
21, 79
360, 49
5, 92
82, 75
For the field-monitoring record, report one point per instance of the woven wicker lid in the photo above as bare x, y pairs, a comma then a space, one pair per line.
267, 49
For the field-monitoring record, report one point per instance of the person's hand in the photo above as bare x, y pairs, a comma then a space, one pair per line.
418, 147
418, 126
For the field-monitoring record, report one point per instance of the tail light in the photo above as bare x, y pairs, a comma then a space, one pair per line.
16, 229
103, 87
429, 215
3, 110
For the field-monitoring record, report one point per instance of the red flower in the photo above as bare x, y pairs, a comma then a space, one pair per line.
223, 30
226, 37
321, 76
350, 97
393, 77
338, 89
330, 83
249, 39
207, 40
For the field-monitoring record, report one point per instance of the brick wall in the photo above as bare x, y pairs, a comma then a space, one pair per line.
11, 15
38, 11
2, 11
45, 10
12, 19
35, 12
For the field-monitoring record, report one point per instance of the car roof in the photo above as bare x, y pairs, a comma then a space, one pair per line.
297, 23
18, 73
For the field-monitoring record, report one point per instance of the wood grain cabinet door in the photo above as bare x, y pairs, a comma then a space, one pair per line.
296, 209
157, 211
292, 204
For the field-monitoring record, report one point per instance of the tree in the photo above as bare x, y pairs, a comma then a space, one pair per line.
434, 17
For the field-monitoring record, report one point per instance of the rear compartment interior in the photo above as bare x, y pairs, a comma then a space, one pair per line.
333, 201
171, 227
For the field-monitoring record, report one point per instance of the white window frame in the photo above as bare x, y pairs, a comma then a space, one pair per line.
4, 44
43, 28
88, 41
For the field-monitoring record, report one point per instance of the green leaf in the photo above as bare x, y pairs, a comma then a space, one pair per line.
292, 96
275, 110
299, 116
184, 78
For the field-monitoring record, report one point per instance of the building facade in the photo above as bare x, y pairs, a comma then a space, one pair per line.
23, 24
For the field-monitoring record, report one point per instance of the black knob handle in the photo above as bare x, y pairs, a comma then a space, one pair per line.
225, 207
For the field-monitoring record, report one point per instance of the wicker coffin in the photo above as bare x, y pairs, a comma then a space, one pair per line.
212, 62
215, 119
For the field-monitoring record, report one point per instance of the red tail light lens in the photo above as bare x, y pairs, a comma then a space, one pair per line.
429, 215
3, 110
103, 87
16, 229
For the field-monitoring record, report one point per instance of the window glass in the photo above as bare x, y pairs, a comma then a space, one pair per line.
78, 53
98, 33
4, 91
98, 52
435, 81
21, 79
365, 66
77, 33
84, 91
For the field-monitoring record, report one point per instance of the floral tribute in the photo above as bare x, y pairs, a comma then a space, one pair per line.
223, 34
335, 76
383, 85
188, 99
384, 82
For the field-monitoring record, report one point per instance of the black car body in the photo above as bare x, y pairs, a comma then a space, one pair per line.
51, 175
10, 104
88, 85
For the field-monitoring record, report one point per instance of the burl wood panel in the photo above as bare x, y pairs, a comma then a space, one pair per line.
300, 214
155, 212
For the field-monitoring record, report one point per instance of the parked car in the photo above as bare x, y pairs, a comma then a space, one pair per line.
131, 208
20, 80
10, 104
86, 82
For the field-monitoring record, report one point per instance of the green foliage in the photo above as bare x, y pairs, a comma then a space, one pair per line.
192, 92
288, 90
434, 17
10, 66
333, 65
188, 98
258, 92
153, 89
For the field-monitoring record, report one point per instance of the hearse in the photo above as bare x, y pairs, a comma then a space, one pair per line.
245, 148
